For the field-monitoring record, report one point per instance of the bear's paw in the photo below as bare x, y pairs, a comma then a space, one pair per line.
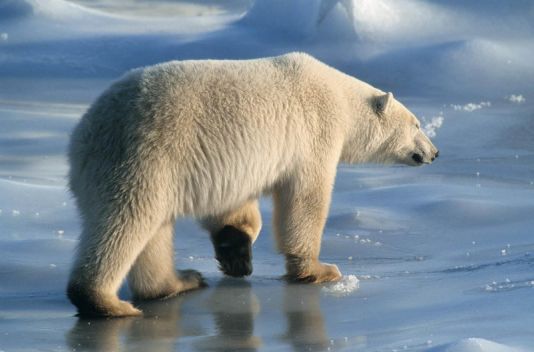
233, 251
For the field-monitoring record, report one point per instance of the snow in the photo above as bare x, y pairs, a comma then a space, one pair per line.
431, 256
475, 345
517, 99
470, 107
345, 286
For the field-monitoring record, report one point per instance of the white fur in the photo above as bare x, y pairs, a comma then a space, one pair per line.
206, 139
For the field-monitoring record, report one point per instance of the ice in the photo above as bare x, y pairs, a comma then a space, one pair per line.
347, 285
443, 252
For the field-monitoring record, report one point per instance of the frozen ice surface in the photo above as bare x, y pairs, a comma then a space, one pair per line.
443, 252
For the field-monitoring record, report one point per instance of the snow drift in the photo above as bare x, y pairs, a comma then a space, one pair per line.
405, 46
474, 345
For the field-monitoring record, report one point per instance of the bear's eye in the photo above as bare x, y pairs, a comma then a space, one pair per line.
417, 126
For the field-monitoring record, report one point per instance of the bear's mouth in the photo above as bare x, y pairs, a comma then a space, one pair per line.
419, 159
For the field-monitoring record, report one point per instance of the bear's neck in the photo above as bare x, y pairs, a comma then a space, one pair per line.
359, 144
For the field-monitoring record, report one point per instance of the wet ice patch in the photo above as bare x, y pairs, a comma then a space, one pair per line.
347, 285
474, 345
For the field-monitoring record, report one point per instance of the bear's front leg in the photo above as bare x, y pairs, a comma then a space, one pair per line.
232, 235
300, 210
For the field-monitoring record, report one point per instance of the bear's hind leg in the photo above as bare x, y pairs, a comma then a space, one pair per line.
102, 263
153, 275
232, 235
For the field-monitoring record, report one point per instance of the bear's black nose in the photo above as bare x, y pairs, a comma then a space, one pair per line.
418, 158
435, 155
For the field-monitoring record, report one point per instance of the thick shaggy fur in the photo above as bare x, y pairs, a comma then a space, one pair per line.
206, 139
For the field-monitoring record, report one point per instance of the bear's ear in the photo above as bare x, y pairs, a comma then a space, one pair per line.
383, 102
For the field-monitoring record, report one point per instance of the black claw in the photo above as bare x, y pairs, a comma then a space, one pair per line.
233, 251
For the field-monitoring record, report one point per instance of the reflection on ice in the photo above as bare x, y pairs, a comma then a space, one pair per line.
226, 321
305, 323
234, 307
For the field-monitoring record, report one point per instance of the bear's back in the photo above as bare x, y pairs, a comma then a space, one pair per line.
225, 128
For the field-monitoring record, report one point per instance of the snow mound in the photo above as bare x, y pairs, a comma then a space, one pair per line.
479, 57
474, 345
51, 9
367, 20
302, 18
386, 21
347, 285
11, 9
389, 20
459, 66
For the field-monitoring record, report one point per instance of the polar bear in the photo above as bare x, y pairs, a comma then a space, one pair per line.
206, 139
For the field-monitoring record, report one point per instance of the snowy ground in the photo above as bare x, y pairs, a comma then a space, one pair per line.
444, 254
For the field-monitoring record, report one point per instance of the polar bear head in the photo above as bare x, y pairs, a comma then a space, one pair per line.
389, 134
